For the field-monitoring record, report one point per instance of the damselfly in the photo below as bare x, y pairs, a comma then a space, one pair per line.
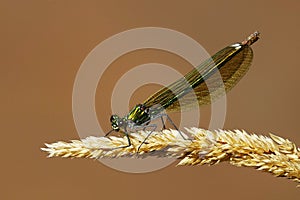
232, 62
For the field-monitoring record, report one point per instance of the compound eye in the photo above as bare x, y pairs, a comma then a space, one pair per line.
113, 118
115, 127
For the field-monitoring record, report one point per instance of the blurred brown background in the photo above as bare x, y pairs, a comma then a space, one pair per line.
43, 44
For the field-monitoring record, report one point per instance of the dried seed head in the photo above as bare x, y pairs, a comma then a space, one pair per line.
271, 154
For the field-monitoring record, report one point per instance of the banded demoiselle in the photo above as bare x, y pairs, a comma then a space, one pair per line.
232, 62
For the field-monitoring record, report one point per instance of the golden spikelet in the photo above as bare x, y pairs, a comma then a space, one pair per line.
271, 154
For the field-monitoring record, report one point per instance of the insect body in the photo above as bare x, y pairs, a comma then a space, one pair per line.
232, 62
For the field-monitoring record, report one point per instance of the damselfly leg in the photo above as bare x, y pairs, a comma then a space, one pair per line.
125, 133
154, 127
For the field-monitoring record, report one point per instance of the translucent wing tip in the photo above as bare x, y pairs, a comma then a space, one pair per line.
251, 38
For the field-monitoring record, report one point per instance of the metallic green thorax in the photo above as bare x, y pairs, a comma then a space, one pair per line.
139, 114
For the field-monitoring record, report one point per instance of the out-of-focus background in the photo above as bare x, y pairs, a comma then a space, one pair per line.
43, 44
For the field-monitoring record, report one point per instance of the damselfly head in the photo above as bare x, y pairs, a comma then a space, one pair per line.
115, 122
